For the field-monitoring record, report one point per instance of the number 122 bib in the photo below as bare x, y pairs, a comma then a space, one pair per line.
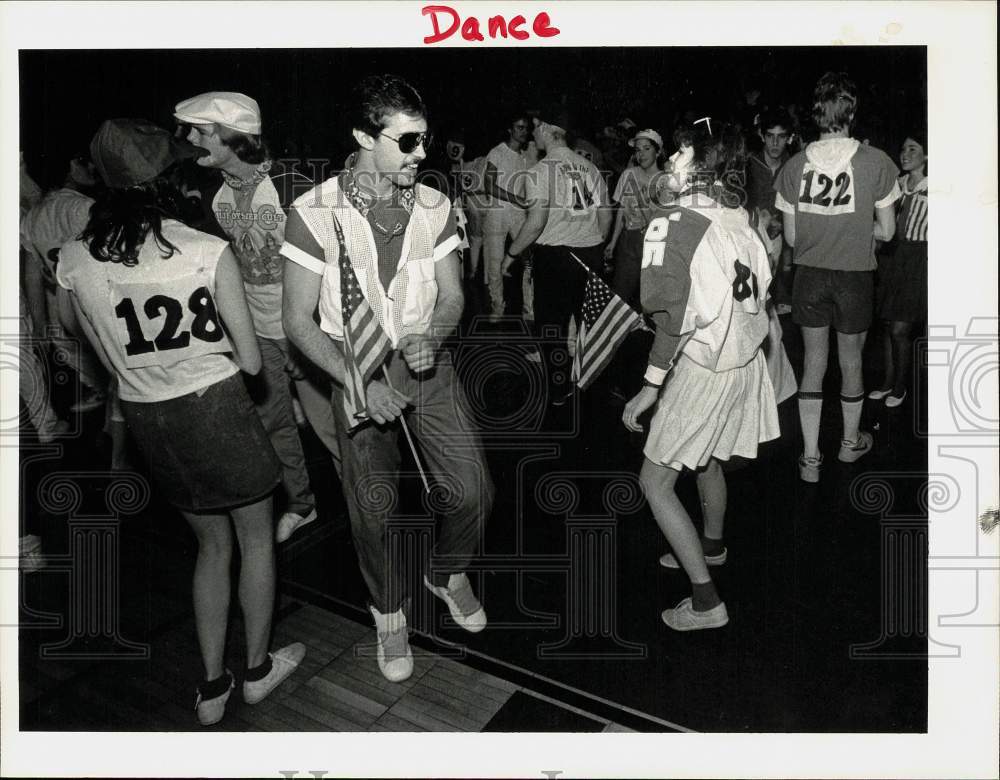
826, 194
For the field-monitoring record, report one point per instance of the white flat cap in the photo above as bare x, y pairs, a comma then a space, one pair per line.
229, 109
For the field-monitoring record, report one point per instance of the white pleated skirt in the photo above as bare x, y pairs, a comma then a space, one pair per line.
703, 414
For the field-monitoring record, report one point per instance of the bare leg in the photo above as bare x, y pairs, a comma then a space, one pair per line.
257, 576
849, 347
712, 492
817, 351
211, 588
672, 518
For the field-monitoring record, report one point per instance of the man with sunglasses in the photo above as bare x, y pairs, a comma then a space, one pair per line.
374, 240
249, 204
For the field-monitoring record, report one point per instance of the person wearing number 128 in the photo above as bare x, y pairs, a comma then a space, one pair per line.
837, 196
151, 295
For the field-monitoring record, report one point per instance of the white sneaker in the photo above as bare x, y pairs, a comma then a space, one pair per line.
893, 400
395, 660
283, 663
668, 561
211, 711
684, 618
291, 522
462, 602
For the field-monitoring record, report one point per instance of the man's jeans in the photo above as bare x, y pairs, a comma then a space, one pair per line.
452, 454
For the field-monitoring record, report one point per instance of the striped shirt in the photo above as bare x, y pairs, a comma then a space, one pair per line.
912, 216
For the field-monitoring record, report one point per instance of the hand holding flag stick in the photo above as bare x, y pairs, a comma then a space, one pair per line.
409, 440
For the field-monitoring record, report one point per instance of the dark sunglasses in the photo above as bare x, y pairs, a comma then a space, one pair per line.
408, 142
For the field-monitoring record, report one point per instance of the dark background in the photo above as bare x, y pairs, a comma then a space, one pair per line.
66, 94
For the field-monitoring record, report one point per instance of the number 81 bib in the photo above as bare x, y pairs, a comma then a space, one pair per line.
162, 323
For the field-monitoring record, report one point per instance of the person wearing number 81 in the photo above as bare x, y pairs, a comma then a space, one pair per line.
704, 282
837, 196
151, 295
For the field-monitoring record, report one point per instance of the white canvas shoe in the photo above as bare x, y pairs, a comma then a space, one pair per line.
462, 602
395, 659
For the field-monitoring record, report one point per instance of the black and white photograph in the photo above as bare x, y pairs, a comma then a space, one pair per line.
500, 390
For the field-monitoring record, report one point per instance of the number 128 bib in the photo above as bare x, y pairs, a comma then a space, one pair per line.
163, 323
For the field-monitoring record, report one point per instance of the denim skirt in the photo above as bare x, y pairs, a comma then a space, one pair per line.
206, 451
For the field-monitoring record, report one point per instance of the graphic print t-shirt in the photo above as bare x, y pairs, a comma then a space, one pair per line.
253, 217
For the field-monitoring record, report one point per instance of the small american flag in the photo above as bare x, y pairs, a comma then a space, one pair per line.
606, 321
365, 344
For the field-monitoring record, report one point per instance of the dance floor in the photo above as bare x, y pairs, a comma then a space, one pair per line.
825, 586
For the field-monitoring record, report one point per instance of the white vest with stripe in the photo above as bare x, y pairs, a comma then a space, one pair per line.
406, 307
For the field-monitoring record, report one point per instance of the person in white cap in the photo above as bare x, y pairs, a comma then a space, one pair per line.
250, 207
634, 194
163, 306
376, 251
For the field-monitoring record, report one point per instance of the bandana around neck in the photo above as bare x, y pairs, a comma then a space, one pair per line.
363, 202
259, 174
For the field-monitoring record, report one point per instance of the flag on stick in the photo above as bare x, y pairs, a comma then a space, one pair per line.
366, 345
605, 322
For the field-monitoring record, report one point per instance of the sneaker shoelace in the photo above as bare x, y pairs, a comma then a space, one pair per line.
394, 643
464, 598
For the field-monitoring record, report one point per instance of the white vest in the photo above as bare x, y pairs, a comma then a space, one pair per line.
406, 307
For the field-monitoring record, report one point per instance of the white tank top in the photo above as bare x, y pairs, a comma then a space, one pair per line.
157, 320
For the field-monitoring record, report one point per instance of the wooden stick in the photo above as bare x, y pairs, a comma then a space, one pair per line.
409, 439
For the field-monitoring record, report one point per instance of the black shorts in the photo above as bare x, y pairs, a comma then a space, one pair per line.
844, 299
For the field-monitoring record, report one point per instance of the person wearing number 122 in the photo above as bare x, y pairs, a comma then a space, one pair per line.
151, 295
837, 197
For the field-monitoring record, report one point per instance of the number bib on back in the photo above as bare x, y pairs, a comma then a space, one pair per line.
162, 323
821, 194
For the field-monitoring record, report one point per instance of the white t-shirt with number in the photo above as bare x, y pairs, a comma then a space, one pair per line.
157, 320
571, 190
510, 167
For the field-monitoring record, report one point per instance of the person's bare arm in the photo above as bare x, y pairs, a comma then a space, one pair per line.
885, 223
492, 188
300, 298
232, 304
788, 228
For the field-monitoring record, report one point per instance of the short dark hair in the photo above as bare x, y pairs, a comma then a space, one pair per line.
835, 101
776, 117
247, 147
514, 116
376, 98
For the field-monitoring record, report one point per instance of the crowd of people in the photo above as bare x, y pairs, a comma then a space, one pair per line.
213, 315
